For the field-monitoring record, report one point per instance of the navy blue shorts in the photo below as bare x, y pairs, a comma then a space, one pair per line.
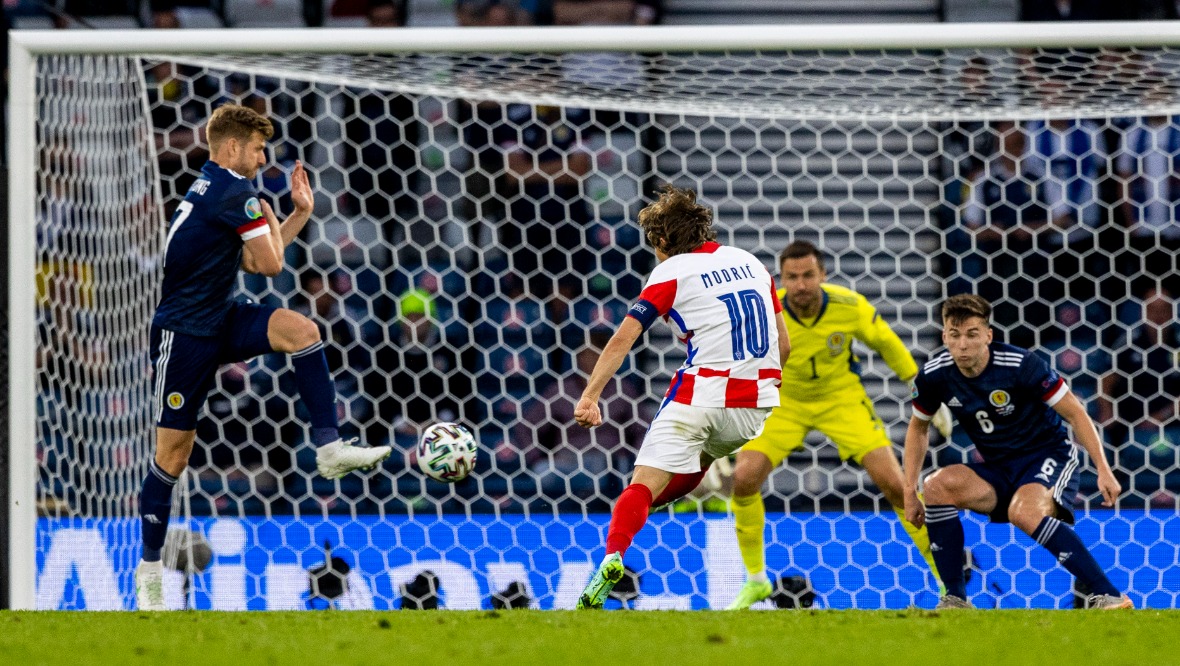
185, 366
1059, 470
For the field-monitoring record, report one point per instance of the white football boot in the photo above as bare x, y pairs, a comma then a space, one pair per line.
340, 457
149, 586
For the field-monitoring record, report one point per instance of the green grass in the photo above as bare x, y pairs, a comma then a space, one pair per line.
665, 638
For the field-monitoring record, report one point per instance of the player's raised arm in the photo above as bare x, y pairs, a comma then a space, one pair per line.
264, 254
586, 413
303, 199
917, 441
1071, 409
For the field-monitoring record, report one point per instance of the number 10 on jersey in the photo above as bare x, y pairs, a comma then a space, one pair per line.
749, 328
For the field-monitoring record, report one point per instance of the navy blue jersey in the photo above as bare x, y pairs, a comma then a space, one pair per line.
204, 251
1007, 410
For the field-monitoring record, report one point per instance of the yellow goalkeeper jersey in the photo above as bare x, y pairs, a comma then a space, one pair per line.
822, 361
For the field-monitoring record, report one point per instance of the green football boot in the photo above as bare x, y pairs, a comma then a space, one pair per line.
751, 593
609, 572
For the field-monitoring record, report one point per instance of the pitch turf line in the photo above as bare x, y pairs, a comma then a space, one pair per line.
553, 637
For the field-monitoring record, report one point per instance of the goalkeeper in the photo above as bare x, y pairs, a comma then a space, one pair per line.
821, 390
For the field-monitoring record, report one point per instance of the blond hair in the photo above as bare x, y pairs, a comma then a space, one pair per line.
232, 121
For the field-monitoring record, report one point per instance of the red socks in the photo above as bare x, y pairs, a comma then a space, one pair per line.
679, 486
628, 517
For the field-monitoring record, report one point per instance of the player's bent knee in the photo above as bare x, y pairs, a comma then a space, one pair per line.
939, 487
294, 332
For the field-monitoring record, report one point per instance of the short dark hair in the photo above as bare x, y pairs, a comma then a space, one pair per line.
232, 121
678, 220
799, 249
960, 308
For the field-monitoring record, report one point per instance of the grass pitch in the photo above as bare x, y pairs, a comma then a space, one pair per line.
562, 637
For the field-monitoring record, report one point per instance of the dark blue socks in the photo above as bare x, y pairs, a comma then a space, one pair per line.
155, 506
1059, 539
946, 546
318, 392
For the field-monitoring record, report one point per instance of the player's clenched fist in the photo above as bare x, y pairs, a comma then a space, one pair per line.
915, 511
586, 413
1109, 487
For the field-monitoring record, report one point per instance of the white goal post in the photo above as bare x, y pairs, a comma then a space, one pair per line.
738, 99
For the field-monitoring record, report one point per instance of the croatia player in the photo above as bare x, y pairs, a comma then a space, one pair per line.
220, 226
1011, 404
720, 301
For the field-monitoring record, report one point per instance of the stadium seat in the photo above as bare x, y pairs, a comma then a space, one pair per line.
32, 23
264, 14
199, 18
104, 23
430, 13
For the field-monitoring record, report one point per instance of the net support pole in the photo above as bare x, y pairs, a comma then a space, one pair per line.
22, 343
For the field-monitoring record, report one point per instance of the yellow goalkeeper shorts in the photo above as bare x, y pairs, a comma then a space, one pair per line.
847, 418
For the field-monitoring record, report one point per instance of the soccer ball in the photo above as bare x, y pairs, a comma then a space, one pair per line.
446, 452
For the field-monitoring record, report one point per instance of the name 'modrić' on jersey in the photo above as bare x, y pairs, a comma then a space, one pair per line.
203, 253
720, 302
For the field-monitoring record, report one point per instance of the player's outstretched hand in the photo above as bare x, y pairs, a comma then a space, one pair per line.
1109, 487
915, 511
586, 413
301, 194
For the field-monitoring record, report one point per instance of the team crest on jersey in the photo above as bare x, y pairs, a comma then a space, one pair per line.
253, 208
175, 400
836, 343
1002, 402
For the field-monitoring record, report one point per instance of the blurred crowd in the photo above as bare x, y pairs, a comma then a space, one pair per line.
490, 307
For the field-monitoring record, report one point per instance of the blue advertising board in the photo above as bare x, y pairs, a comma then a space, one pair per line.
858, 560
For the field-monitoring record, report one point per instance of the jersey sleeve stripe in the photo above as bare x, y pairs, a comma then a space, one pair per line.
921, 414
253, 230
1055, 394
778, 304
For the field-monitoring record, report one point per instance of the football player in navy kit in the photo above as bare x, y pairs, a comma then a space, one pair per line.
219, 227
1012, 406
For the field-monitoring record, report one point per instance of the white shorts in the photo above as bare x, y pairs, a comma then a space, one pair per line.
680, 433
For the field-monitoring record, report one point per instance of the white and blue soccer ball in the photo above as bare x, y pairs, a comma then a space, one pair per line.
446, 452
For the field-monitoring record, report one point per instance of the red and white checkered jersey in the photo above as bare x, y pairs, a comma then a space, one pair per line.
720, 301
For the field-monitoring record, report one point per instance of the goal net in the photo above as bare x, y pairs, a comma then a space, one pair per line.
473, 246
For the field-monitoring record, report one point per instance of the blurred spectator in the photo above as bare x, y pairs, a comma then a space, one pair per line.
380, 13
381, 148
607, 12
1147, 165
1068, 10
489, 13
1065, 157
417, 378
999, 217
587, 463
547, 212
1096, 10
1137, 397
